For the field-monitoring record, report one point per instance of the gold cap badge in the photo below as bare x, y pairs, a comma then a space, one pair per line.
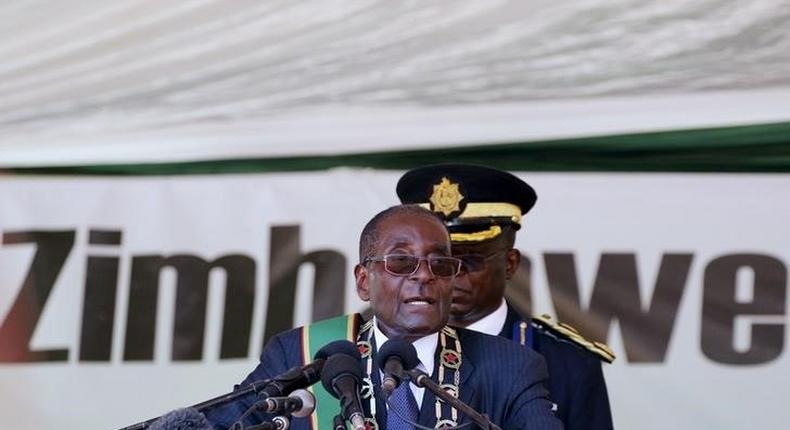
446, 197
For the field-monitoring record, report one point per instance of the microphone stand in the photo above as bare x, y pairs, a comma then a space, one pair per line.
255, 387
422, 380
281, 422
277, 423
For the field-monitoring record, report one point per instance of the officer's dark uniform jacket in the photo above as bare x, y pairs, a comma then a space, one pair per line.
576, 381
477, 204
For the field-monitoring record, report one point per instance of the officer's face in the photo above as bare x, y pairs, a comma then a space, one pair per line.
479, 289
410, 306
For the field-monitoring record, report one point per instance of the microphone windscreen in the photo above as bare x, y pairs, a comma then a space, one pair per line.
398, 347
181, 419
339, 365
338, 347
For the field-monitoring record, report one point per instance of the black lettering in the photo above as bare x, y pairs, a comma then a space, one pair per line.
284, 262
104, 237
98, 308
720, 308
191, 305
52, 250
616, 294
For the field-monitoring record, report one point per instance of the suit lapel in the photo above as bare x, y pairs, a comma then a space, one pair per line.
468, 393
381, 406
427, 415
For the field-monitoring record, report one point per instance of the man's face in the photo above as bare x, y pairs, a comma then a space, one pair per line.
479, 292
415, 305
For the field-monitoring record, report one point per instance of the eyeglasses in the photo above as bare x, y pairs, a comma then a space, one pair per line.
477, 262
407, 265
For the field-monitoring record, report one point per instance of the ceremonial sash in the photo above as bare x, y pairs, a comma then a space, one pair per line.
314, 337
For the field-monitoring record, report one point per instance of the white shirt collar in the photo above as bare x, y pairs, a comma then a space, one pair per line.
492, 323
425, 346
426, 349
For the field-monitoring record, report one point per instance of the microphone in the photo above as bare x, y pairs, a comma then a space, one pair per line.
338, 423
277, 423
338, 347
300, 377
392, 358
305, 376
181, 419
342, 377
293, 379
300, 403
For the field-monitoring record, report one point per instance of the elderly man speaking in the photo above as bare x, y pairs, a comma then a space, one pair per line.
406, 271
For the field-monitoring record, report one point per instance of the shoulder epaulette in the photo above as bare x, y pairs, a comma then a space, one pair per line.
566, 332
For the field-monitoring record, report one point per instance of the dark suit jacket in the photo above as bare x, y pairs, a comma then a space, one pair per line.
498, 378
576, 381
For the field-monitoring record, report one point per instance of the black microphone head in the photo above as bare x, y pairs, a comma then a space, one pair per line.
181, 419
397, 347
339, 365
338, 347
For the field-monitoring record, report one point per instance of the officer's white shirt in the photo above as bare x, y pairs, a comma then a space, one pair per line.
492, 323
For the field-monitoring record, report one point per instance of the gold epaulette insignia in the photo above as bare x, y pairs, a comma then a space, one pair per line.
569, 333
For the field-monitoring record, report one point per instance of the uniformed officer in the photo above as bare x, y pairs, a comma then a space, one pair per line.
482, 208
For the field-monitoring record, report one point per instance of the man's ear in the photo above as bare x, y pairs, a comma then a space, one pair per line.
361, 276
512, 261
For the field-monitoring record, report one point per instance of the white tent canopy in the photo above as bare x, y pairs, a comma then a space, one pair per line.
95, 82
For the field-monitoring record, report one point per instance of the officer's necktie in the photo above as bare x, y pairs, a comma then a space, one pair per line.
403, 403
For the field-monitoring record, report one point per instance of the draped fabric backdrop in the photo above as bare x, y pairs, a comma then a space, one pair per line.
181, 179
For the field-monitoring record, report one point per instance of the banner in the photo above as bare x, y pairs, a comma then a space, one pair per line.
124, 298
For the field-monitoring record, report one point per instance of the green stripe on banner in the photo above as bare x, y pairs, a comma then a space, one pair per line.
319, 334
755, 148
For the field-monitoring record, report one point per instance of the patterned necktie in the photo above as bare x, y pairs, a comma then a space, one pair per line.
402, 400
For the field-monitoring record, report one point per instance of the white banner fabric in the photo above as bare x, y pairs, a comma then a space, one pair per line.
693, 385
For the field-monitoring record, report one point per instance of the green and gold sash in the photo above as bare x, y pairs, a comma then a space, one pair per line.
314, 337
